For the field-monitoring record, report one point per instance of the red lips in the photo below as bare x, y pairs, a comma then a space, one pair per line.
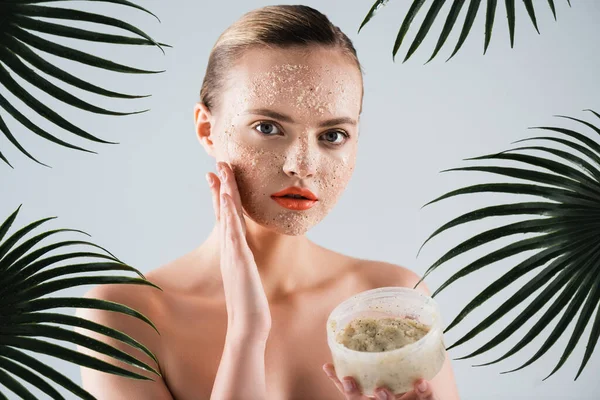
297, 191
307, 201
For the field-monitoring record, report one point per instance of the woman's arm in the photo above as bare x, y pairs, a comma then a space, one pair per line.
241, 371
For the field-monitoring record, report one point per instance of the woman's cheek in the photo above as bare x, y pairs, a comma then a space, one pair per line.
259, 173
254, 170
334, 177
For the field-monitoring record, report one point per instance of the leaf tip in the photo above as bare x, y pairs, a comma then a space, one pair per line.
419, 251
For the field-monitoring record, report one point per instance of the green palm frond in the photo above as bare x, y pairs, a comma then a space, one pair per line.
25, 277
20, 43
457, 6
567, 222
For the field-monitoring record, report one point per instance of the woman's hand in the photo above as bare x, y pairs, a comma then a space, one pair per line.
247, 306
422, 389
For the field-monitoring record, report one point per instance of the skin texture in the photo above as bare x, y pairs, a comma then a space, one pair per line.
301, 281
322, 160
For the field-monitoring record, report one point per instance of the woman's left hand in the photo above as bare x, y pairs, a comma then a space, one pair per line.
422, 389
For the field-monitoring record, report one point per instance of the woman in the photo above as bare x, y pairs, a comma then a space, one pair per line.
244, 315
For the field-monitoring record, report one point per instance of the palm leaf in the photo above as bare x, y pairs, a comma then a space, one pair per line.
376, 6
566, 223
25, 278
450, 22
19, 43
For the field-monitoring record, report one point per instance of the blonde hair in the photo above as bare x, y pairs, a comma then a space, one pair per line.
279, 26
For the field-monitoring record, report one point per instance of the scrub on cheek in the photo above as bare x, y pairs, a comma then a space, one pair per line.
260, 173
262, 164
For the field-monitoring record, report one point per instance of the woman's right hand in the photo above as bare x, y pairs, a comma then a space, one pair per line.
248, 314
351, 391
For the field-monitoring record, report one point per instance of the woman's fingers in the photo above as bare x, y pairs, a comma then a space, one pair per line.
384, 393
233, 233
229, 186
234, 248
347, 386
350, 389
330, 372
423, 390
232, 183
215, 190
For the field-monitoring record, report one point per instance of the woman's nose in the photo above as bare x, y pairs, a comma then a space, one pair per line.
301, 160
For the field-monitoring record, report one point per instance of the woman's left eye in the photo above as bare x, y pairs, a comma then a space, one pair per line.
335, 137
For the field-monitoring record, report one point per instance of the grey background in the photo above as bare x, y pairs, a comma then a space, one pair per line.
146, 199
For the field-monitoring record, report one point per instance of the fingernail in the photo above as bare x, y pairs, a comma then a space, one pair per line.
209, 179
348, 385
382, 395
422, 386
223, 174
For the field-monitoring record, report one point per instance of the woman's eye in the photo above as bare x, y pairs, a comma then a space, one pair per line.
267, 128
335, 137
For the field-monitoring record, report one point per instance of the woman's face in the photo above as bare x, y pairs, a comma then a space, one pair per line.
289, 118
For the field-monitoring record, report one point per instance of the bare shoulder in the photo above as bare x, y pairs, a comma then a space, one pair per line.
138, 298
381, 274
142, 298
376, 274
145, 300
128, 292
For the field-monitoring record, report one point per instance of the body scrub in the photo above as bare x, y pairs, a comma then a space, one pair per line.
386, 337
383, 334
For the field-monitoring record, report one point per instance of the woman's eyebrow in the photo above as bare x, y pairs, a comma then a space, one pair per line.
271, 114
286, 118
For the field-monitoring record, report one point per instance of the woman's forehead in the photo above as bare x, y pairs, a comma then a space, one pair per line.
295, 65
324, 81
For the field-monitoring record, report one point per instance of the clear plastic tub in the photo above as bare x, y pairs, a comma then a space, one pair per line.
396, 369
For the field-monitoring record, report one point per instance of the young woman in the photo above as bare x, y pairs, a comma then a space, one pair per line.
243, 316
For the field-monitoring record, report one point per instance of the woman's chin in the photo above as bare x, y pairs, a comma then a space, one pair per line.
286, 228
290, 224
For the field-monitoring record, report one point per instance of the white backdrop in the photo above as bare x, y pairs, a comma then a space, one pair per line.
146, 199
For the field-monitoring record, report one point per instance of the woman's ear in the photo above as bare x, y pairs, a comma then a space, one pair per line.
203, 124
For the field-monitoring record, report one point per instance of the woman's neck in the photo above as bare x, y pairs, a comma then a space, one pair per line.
283, 262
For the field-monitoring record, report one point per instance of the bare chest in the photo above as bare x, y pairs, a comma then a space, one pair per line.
296, 350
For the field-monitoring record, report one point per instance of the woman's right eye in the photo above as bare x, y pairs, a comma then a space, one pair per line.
267, 128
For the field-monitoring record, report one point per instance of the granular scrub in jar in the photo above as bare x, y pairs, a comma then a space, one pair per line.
386, 337
381, 334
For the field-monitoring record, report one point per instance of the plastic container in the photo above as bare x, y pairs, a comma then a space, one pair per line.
397, 369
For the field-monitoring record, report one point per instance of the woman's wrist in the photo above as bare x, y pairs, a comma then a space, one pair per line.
242, 368
246, 337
